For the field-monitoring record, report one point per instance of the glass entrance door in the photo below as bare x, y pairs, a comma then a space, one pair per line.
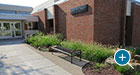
7, 32
1, 35
17, 29
10, 29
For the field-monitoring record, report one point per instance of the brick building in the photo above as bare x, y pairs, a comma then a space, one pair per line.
103, 21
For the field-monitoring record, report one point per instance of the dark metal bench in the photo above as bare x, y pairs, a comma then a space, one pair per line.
68, 52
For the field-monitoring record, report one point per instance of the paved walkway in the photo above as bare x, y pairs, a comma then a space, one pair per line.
18, 59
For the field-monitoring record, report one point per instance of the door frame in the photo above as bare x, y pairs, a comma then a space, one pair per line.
14, 22
10, 22
5, 37
1, 30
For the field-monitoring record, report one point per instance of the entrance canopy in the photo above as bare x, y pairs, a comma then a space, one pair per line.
18, 17
15, 8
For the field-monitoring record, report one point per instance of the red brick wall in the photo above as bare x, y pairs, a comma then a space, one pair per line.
75, 27
107, 21
136, 24
59, 20
101, 23
43, 22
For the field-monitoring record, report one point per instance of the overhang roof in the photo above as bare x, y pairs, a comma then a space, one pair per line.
15, 8
18, 17
46, 5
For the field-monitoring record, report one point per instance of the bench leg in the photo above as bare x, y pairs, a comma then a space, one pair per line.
80, 58
71, 58
52, 53
80, 55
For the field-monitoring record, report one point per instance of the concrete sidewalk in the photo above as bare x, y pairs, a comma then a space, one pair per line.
63, 61
18, 59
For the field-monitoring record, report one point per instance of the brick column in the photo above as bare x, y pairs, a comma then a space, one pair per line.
135, 24
47, 26
43, 21
54, 19
123, 23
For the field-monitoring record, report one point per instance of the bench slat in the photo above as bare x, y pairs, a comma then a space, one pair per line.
61, 51
67, 51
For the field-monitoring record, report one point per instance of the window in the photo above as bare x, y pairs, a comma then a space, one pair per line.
14, 12
35, 25
25, 26
51, 25
7, 12
0, 30
24, 13
30, 26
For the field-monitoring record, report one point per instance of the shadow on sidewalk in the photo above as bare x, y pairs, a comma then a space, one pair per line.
75, 60
10, 69
11, 41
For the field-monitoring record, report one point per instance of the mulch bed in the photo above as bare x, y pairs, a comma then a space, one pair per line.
89, 69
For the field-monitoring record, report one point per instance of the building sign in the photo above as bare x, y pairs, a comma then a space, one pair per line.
80, 9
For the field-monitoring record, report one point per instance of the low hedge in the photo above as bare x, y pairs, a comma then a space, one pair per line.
91, 52
133, 50
39, 40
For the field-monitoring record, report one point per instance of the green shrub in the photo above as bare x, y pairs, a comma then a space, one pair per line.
126, 70
122, 69
91, 52
136, 71
99, 65
40, 40
72, 45
52, 40
133, 50
59, 36
33, 40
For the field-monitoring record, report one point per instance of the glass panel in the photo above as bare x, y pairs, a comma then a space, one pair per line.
18, 33
7, 33
17, 26
23, 13
6, 26
0, 34
12, 27
7, 12
25, 26
0, 29
35, 25
29, 26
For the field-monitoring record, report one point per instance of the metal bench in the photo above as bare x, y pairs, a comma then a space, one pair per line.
68, 52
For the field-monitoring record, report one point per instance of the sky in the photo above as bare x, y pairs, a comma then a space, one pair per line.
138, 0
31, 3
